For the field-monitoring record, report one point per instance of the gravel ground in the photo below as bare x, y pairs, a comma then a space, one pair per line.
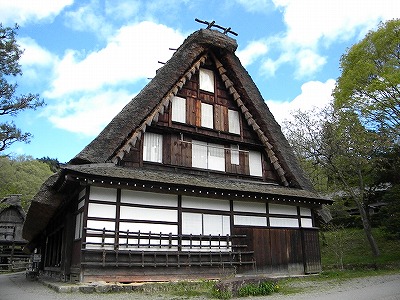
387, 287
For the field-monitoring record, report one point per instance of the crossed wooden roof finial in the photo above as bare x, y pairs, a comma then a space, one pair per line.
211, 24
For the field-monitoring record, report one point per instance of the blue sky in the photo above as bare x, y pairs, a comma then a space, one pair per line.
87, 59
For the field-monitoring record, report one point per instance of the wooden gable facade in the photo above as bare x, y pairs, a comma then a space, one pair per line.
192, 179
206, 123
12, 217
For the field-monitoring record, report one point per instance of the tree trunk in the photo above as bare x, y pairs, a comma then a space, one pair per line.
367, 228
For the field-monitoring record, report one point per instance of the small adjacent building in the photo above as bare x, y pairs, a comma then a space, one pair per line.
12, 217
192, 179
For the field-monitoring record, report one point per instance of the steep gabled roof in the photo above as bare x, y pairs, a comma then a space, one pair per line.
127, 127
12, 201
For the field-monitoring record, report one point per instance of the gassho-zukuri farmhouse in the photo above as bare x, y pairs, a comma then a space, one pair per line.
192, 179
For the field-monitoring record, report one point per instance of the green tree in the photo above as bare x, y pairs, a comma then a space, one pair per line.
304, 134
11, 104
338, 145
53, 163
368, 93
388, 177
22, 175
369, 83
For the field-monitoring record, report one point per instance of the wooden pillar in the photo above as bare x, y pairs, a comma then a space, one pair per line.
12, 250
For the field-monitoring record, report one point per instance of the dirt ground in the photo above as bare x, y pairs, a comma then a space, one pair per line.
16, 286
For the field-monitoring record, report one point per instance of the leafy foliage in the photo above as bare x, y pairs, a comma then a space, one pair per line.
370, 79
22, 175
53, 163
10, 104
390, 214
352, 142
344, 150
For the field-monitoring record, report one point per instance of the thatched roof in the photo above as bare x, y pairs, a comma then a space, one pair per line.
100, 157
134, 116
14, 202
42, 208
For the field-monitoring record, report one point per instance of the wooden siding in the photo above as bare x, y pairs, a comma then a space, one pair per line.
312, 259
178, 154
283, 250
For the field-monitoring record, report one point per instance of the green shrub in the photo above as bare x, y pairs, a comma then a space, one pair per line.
262, 289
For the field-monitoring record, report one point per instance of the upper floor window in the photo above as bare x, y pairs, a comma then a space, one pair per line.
235, 154
207, 80
233, 121
152, 147
207, 115
178, 109
208, 156
255, 163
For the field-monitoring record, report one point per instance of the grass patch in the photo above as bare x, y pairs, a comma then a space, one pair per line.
263, 289
356, 249
245, 288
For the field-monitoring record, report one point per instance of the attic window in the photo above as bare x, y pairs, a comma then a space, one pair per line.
152, 147
255, 164
207, 115
235, 154
178, 109
207, 80
233, 119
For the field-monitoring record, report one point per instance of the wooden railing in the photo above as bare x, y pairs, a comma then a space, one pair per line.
141, 249
120, 240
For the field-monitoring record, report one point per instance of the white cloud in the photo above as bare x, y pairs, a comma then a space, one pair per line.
309, 21
314, 24
132, 54
252, 52
36, 63
309, 62
25, 11
88, 17
313, 94
89, 114
34, 54
269, 65
122, 9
